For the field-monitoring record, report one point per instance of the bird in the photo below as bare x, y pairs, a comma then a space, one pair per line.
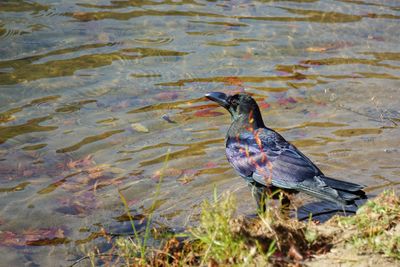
269, 163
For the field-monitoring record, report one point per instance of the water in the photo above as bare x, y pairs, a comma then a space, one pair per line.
93, 94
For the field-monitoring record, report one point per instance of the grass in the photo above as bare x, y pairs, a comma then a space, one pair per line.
134, 250
376, 226
223, 238
271, 238
216, 240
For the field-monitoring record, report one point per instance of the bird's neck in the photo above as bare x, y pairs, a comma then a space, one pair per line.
246, 123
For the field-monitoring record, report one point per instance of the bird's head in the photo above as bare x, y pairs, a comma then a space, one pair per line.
241, 107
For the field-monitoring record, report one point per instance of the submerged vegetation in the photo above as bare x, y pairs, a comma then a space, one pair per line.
224, 239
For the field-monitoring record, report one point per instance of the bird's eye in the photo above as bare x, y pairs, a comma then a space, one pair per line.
234, 102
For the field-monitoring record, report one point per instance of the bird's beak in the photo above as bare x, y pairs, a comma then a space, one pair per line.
219, 97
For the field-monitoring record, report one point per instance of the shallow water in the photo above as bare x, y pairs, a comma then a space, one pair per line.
93, 95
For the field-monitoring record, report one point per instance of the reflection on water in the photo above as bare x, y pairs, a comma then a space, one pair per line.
30, 126
33, 68
93, 94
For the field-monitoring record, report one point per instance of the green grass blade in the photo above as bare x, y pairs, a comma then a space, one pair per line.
123, 199
153, 206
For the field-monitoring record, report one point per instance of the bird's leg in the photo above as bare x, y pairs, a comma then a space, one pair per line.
284, 199
263, 195
258, 194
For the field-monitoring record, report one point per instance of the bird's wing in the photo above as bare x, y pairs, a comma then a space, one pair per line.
266, 157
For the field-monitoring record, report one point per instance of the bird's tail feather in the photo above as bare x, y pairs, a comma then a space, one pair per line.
350, 197
346, 190
340, 192
326, 193
341, 185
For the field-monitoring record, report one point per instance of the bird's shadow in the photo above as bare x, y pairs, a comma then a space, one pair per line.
322, 211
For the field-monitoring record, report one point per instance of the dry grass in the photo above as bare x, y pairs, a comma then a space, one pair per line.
376, 226
372, 236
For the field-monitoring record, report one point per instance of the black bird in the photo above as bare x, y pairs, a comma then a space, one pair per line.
268, 162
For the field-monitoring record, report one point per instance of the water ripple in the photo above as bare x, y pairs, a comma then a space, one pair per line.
31, 126
154, 38
88, 140
27, 70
